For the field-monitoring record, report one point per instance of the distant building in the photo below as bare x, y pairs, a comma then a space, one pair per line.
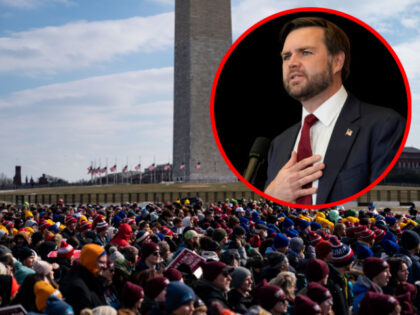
17, 179
407, 169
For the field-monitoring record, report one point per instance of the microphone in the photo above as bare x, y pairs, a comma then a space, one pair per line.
257, 157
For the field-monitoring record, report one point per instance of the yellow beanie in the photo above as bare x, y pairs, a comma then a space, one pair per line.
43, 290
28, 214
89, 255
351, 219
321, 215
326, 224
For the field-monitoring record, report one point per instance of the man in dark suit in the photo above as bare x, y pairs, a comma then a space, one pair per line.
342, 144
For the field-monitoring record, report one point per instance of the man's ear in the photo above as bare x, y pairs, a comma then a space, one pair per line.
338, 62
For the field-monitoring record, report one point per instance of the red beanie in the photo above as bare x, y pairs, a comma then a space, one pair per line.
377, 304
323, 249
65, 250
212, 269
304, 305
173, 274
155, 286
131, 293
268, 295
316, 269
373, 266
148, 248
318, 293
314, 238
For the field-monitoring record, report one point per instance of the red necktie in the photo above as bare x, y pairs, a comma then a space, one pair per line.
305, 150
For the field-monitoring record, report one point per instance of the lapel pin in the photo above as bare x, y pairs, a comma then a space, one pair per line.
349, 132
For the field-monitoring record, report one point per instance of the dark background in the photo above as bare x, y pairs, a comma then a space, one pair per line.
250, 100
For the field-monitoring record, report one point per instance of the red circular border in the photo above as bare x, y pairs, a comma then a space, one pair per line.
310, 9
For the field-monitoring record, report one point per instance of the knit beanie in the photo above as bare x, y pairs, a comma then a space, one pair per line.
141, 236
390, 221
268, 295
366, 235
131, 293
379, 233
212, 269
280, 241
89, 255
296, 244
276, 259
342, 255
377, 304
334, 216
56, 306
314, 238
291, 233
390, 247
43, 290
69, 220
255, 241
350, 213
316, 269
65, 250
239, 275
42, 267
373, 266
190, 234
24, 253
219, 234
318, 293
303, 224
178, 294
173, 274
101, 225
362, 251
287, 223
155, 286
409, 240
315, 226
84, 226
304, 305
148, 248
323, 249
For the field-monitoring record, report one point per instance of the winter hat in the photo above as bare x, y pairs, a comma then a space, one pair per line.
367, 235
89, 255
84, 226
318, 293
65, 250
104, 310
148, 248
54, 228
373, 266
69, 220
390, 247
377, 304
280, 241
24, 253
303, 224
315, 226
4, 250
342, 255
238, 230
314, 238
239, 275
409, 240
291, 233
316, 269
43, 290
255, 241
379, 233
287, 223
390, 221
173, 274
277, 260
362, 251
131, 293
155, 286
406, 287
268, 295
42, 267
212, 269
114, 254
334, 216
178, 294
323, 249
304, 305
219, 234
166, 231
56, 305
190, 234
101, 225
141, 236
350, 213
296, 244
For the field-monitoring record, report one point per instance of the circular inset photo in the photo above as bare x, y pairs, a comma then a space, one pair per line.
311, 108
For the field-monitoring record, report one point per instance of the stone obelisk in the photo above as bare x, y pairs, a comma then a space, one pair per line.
203, 34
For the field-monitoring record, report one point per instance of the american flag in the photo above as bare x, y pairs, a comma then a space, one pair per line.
97, 170
89, 170
166, 167
198, 165
182, 166
137, 167
125, 169
114, 168
104, 169
151, 167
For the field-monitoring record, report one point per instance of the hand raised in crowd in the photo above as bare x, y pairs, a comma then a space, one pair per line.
288, 183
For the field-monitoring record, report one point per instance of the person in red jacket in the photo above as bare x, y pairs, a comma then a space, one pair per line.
123, 236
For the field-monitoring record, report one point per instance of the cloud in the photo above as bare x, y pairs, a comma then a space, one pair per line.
120, 115
82, 44
408, 54
33, 4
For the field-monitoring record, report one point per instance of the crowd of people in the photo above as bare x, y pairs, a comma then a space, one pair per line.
250, 257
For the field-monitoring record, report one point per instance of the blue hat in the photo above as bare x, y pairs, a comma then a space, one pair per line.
315, 226
56, 305
390, 220
53, 228
178, 294
362, 251
280, 240
271, 231
160, 235
287, 223
389, 236
303, 224
390, 247
122, 214
291, 233
116, 219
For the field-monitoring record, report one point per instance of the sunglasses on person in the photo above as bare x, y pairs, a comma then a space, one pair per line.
156, 253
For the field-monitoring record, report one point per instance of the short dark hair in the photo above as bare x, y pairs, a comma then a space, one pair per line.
335, 38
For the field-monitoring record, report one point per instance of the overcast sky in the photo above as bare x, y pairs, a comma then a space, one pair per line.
92, 80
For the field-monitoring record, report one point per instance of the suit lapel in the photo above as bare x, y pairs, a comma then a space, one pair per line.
344, 134
288, 145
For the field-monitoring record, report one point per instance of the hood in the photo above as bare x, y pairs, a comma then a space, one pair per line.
364, 284
125, 231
